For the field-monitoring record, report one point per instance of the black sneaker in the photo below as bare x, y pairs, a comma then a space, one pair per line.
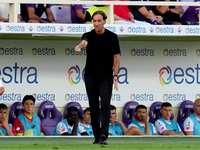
103, 142
96, 141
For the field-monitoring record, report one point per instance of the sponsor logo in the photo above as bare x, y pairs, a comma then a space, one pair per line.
169, 78
63, 127
30, 28
136, 30
141, 97
121, 29
46, 29
70, 77
179, 30
17, 73
84, 97
164, 30
197, 96
192, 30
76, 29
159, 124
72, 52
91, 28
15, 28
112, 29
142, 52
61, 28
189, 75
43, 51
49, 106
174, 52
11, 51
44, 97
20, 107
162, 128
74, 75
76, 97
188, 106
198, 52
10, 97
174, 97
151, 29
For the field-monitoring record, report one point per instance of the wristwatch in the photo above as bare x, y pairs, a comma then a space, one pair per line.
115, 76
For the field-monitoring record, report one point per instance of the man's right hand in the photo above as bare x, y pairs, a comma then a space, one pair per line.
76, 120
146, 118
5, 122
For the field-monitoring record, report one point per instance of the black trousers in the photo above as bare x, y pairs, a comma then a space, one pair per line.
99, 87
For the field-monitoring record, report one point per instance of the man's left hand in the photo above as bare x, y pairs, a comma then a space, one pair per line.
115, 81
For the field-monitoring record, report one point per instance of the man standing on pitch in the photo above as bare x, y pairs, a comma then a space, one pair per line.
102, 55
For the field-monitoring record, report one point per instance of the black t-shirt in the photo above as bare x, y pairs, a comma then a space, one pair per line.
100, 51
137, 15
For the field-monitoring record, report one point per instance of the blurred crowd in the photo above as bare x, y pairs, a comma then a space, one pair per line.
123, 14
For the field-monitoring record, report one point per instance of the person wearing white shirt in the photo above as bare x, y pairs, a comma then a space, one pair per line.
164, 125
141, 126
71, 125
191, 124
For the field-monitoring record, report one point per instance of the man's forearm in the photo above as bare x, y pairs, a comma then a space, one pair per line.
116, 63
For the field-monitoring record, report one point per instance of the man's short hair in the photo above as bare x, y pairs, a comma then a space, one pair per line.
3, 106
166, 104
112, 107
87, 109
140, 106
100, 13
28, 97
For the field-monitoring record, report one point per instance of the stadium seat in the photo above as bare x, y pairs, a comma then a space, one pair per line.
185, 109
129, 112
49, 116
154, 112
61, 13
77, 105
15, 110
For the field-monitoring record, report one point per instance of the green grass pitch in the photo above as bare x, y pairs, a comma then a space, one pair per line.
114, 143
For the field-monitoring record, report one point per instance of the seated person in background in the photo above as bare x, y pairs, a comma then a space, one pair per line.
86, 123
141, 126
1, 87
191, 124
31, 13
123, 15
145, 13
164, 125
89, 12
116, 127
70, 125
4, 13
120, 10
170, 14
6, 129
191, 13
27, 123
78, 13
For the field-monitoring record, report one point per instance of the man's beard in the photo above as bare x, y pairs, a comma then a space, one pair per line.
138, 118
